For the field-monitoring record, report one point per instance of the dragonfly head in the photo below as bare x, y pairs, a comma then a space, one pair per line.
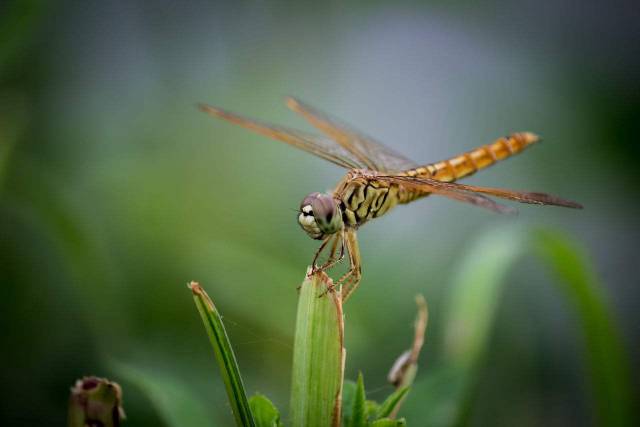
320, 215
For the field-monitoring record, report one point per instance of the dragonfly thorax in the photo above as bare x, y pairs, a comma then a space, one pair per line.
320, 215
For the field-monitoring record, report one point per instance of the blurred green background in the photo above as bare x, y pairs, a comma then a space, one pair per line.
115, 192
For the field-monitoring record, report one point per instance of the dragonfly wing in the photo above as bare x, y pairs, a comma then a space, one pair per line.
451, 193
321, 147
429, 184
534, 198
371, 153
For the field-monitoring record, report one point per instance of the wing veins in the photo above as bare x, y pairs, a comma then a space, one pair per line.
451, 193
518, 196
313, 144
373, 154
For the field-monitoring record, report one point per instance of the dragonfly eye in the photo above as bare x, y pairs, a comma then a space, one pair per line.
320, 215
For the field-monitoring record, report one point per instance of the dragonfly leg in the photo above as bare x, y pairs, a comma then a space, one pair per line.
351, 279
331, 260
318, 252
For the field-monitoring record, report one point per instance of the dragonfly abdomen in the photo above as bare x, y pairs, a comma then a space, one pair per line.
365, 197
468, 163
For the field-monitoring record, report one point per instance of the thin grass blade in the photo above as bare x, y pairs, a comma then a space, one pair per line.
224, 355
606, 358
358, 409
475, 296
391, 403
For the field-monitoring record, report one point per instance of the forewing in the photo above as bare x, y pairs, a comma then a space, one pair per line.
321, 147
371, 153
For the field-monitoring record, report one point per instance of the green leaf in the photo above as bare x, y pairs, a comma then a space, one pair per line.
358, 416
371, 408
606, 357
348, 395
473, 302
318, 355
475, 296
388, 422
387, 407
264, 412
224, 356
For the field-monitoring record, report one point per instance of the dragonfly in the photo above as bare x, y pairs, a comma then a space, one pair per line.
378, 179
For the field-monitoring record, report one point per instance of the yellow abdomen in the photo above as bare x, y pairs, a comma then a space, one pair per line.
365, 198
472, 161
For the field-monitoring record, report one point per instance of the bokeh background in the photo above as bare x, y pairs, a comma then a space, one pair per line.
115, 192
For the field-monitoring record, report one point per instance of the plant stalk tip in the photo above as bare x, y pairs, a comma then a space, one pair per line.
223, 353
199, 292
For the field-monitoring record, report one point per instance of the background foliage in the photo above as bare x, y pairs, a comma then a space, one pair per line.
115, 191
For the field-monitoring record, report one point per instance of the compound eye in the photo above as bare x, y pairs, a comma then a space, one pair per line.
324, 210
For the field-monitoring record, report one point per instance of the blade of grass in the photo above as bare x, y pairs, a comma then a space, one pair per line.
348, 395
358, 415
475, 295
224, 356
474, 299
606, 358
318, 355
392, 403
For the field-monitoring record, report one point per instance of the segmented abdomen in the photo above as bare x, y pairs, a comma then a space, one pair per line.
363, 198
468, 163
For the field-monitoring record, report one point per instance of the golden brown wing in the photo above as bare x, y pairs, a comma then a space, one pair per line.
451, 193
534, 198
373, 154
475, 199
321, 147
454, 190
